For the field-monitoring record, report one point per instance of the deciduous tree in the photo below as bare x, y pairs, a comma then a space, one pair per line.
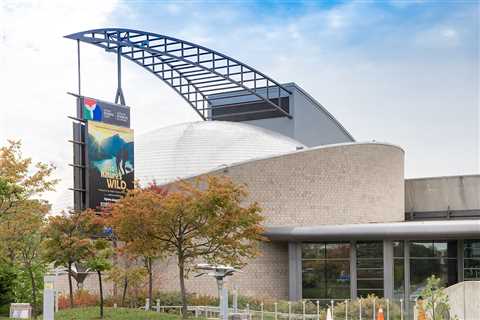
207, 220
131, 219
22, 181
99, 261
69, 240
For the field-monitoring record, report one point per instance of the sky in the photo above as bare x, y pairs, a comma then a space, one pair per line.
403, 72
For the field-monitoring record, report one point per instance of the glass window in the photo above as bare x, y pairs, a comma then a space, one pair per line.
370, 268
432, 258
471, 261
398, 251
326, 270
313, 250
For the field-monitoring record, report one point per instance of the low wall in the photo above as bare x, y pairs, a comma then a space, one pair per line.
464, 298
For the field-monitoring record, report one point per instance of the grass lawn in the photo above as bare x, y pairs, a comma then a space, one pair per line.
110, 314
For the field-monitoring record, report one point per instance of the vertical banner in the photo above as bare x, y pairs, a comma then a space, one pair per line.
110, 162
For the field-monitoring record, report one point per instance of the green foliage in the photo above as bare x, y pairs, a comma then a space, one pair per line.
113, 314
7, 279
436, 301
22, 286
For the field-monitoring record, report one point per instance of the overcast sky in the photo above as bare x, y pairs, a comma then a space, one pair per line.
404, 72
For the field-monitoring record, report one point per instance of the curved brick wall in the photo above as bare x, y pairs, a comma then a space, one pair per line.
337, 184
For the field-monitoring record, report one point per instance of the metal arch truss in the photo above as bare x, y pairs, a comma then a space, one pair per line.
203, 77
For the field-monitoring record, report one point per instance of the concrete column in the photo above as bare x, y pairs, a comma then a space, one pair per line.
388, 269
460, 261
294, 271
353, 270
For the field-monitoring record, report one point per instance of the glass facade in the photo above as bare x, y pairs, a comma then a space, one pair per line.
398, 270
370, 268
326, 270
429, 258
326, 267
471, 262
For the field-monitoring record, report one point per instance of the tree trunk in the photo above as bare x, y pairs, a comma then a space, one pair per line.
181, 268
124, 294
70, 288
34, 293
150, 280
101, 293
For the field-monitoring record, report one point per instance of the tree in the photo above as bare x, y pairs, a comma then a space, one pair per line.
99, 261
21, 181
69, 240
205, 219
436, 299
131, 220
127, 275
21, 233
22, 213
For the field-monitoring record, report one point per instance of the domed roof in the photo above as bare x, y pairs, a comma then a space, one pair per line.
193, 148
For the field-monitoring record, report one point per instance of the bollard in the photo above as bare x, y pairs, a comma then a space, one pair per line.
248, 311
261, 310
275, 310
289, 310
318, 310
147, 304
158, 305
115, 305
303, 309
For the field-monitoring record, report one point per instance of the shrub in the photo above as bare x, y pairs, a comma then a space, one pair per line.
81, 298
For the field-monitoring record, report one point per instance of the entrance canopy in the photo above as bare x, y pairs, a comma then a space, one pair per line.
379, 231
200, 75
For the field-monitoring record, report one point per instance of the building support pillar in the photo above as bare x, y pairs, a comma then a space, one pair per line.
294, 271
388, 269
353, 270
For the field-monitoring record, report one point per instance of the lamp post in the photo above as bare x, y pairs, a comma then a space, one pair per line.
219, 272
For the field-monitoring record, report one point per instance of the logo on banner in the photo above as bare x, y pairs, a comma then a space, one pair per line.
92, 110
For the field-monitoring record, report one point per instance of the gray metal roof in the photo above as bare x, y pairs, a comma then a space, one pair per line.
189, 149
376, 231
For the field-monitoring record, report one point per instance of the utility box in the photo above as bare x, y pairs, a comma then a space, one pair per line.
20, 311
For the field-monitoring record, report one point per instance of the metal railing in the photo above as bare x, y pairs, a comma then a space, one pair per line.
359, 309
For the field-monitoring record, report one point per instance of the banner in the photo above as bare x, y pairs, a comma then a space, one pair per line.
110, 162
101, 111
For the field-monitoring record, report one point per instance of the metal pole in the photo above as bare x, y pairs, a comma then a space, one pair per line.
333, 313
373, 309
388, 309
303, 309
158, 305
119, 95
78, 69
235, 299
401, 309
289, 310
275, 310
261, 311
318, 310
346, 309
